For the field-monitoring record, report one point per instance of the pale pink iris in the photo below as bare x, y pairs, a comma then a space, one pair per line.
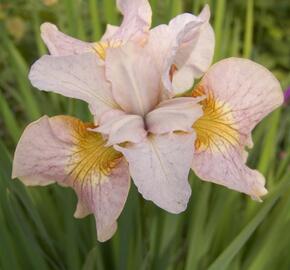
128, 82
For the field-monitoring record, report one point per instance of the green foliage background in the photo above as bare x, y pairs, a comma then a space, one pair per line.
220, 230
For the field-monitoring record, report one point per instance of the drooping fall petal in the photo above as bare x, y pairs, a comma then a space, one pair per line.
176, 114
75, 76
134, 77
61, 149
240, 93
159, 167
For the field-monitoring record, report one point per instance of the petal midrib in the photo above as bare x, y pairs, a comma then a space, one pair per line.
137, 94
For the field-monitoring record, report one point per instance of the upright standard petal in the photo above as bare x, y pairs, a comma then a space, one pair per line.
193, 52
134, 28
134, 77
60, 44
136, 23
240, 93
198, 61
159, 167
176, 114
183, 50
75, 76
61, 149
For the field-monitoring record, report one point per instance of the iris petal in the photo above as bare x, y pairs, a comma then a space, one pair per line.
61, 149
239, 93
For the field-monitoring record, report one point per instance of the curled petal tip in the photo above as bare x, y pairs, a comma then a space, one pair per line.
259, 192
104, 234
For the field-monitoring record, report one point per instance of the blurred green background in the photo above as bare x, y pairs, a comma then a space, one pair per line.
220, 230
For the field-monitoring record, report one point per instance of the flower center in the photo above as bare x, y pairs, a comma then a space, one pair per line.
216, 129
101, 47
91, 158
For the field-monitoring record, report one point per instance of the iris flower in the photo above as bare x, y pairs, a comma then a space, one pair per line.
139, 129
140, 125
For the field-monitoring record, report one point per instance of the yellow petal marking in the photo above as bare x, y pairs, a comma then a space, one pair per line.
101, 47
216, 129
90, 159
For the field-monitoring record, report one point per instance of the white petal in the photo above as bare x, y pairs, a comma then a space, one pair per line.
106, 199
177, 114
61, 149
187, 43
60, 44
249, 89
134, 77
121, 127
198, 61
137, 20
159, 167
76, 76
240, 93
110, 32
226, 167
